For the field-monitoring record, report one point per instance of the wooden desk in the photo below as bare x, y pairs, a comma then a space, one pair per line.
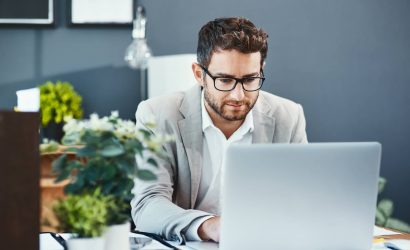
405, 236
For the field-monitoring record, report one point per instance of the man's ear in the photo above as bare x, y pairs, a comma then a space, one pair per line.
198, 73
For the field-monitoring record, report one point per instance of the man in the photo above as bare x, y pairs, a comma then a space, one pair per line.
227, 106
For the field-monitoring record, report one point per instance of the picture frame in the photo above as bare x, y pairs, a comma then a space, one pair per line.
27, 12
100, 12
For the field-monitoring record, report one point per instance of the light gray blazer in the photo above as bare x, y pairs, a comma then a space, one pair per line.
166, 206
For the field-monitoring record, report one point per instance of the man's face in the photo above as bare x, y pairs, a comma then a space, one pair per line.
235, 104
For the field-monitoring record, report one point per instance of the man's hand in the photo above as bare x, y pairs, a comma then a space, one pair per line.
210, 229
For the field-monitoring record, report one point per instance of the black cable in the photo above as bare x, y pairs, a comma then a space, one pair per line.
157, 238
58, 238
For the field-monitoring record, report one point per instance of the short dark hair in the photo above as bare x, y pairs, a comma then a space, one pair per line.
230, 33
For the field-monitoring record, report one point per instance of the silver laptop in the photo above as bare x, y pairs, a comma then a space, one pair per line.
294, 196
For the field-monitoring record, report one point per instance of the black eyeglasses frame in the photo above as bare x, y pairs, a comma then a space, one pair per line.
261, 79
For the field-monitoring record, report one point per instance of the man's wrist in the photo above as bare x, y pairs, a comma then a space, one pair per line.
192, 232
202, 230
209, 229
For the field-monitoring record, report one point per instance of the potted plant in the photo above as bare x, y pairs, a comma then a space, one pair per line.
106, 150
58, 101
85, 216
384, 212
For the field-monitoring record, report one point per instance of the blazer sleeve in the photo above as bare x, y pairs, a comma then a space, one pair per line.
152, 207
299, 130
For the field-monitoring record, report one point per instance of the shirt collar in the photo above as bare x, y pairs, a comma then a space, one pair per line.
247, 125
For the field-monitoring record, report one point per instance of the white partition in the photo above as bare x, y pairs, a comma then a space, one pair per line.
167, 74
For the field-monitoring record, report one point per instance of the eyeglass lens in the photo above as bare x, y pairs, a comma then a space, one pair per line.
251, 83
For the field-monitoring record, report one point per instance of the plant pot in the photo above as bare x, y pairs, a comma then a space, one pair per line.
50, 192
86, 243
117, 237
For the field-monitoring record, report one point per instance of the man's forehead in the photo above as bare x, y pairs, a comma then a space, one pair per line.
233, 52
235, 62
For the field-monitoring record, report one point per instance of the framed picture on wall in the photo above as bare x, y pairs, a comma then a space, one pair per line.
27, 12
100, 12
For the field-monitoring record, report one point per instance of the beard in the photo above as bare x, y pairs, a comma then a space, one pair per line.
220, 106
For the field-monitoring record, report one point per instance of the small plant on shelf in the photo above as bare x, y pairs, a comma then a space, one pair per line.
58, 101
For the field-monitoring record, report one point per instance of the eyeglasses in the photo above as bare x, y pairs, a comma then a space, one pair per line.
224, 83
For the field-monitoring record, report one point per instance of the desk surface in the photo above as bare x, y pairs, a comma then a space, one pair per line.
48, 243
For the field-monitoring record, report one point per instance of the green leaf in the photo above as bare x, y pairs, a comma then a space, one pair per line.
146, 133
109, 173
79, 180
62, 167
130, 185
146, 175
126, 166
48, 147
63, 175
386, 207
59, 164
380, 218
120, 189
107, 187
90, 174
398, 225
134, 145
71, 189
69, 166
72, 150
153, 162
71, 139
87, 151
112, 150
381, 184
107, 135
91, 137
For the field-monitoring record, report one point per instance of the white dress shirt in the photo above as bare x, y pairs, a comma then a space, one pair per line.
214, 148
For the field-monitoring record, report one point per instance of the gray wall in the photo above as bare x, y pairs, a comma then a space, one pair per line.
90, 58
347, 62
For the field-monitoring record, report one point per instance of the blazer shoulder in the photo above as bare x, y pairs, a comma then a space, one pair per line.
160, 108
279, 104
290, 122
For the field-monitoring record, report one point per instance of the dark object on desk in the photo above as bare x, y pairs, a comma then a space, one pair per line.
157, 238
19, 180
138, 242
58, 238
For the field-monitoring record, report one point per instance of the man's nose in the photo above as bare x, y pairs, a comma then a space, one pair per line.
238, 92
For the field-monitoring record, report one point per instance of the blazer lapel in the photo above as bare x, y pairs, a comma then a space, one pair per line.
191, 132
264, 122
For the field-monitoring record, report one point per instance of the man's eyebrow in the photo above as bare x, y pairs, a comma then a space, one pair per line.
232, 76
